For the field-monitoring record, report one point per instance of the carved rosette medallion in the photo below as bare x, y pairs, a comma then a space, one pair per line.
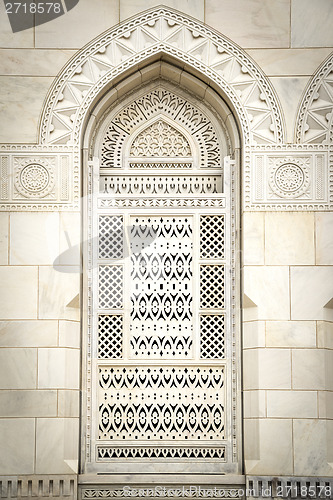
289, 178
34, 178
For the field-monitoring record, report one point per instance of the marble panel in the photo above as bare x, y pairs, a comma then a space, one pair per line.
28, 333
289, 91
275, 456
289, 62
69, 334
4, 230
325, 334
290, 333
28, 403
17, 445
68, 403
194, 8
317, 17
325, 404
308, 369
59, 287
292, 404
34, 238
21, 101
312, 447
58, 368
35, 62
259, 24
21, 39
18, 368
20, 299
268, 288
57, 445
254, 404
324, 238
311, 291
78, 26
266, 369
289, 238
253, 238
69, 253
253, 334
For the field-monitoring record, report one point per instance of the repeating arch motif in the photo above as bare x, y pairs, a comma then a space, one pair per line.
315, 116
158, 31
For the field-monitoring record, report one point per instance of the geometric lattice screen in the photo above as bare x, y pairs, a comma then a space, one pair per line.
160, 306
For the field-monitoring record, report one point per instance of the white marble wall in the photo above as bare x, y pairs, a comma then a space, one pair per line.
39, 340
287, 340
288, 313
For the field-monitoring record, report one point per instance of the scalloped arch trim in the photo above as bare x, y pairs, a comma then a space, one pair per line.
165, 31
314, 124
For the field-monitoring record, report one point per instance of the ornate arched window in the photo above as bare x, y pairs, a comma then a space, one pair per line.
161, 353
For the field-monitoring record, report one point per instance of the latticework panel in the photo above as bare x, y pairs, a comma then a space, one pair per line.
110, 336
161, 287
149, 452
110, 287
211, 286
212, 236
212, 336
110, 237
170, 403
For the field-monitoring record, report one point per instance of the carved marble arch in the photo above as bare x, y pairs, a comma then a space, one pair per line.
162, 33
162, 364
314, 124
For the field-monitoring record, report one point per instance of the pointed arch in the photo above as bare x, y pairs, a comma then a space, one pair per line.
314, 123
162, 31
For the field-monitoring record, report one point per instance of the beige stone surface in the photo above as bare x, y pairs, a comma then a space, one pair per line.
289, 238
317, 17
17, 445
325, 334
259, 23
34, 238
68, 403
78, 26
292, 404
57, 445
325, 404
324, 238
254, 404
268, 288
291, 334
253, 334
266, 369
289, 62
308, 369
58, 290
18, 368
253, 238
275, 455
58, 368
21, 101
69, 237
20, 299
28, 403
311, 291
34, 333
4, 229
30, 62
313, 447
69, 334
290, 91
194, 8
21, 39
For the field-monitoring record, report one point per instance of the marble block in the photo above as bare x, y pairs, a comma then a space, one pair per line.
17, 445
